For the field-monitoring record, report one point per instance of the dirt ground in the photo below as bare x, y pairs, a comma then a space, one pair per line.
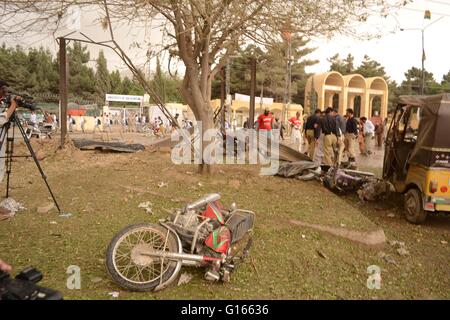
102, 191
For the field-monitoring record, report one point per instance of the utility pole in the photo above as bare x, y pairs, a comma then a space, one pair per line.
251, 113
422, 89
222, 99
63, 84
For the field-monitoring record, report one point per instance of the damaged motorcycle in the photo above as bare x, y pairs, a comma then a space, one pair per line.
149, 257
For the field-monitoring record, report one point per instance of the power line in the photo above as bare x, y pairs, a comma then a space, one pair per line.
439, 2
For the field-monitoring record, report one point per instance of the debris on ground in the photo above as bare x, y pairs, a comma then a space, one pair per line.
83, 144
321, 254
9, 207
163, 184
375, 189
185, 278
46, 208
303, 170
53, 222
96, 279
390, 215
147, 205
65, 215
402, 251
444, 242
114, 294
389, 259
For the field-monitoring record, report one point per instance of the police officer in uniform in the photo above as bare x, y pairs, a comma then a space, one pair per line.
331, 141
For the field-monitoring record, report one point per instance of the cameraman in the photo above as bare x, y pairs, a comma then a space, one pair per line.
5, 113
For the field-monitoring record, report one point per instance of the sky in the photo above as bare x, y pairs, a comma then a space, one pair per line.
396, 50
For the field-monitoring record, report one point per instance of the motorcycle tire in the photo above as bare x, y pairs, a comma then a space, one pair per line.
148, 236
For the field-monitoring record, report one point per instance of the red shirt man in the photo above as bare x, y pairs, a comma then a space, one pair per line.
296, 122
265, 121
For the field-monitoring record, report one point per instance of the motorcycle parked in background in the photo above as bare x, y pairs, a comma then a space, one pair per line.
149, 257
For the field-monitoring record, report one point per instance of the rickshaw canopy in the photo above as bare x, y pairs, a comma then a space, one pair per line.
432, 148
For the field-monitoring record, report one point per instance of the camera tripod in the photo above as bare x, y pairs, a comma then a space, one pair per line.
5, 136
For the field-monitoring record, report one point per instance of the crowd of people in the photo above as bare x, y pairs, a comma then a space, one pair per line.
129, 122
328, 137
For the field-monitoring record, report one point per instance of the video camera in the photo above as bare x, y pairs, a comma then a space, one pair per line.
22, 100
23, 287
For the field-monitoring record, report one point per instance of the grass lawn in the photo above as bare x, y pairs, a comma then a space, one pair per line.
103, 191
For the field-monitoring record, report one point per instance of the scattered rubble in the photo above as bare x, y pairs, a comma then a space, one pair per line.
185, 278
402, 251
163, 184
9, 207
114, 294
147, 205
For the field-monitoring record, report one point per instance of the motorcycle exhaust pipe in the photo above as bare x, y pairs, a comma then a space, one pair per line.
180, 256
203, 201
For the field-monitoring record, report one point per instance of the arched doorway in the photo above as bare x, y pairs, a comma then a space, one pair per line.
376, 106
357, 107
335, 104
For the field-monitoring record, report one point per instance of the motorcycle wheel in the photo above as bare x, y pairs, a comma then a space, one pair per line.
135, 271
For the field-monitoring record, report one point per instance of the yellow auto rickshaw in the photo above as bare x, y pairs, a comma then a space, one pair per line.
417, 154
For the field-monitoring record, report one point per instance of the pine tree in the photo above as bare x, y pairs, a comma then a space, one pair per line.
370, 68
102, 77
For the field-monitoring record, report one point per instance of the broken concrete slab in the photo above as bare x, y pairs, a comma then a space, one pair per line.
83, 144
372, 238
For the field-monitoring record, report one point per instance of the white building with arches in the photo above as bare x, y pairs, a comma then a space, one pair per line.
364, 95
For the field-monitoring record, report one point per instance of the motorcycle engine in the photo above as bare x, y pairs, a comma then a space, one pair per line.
190, 221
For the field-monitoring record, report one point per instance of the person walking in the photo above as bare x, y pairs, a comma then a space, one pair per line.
70, 122
296, 131
311, 126
328, 127
368, 133
97, 123
351, 136
82, 123
137, 122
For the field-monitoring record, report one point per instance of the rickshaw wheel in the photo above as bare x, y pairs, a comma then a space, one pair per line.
413, 207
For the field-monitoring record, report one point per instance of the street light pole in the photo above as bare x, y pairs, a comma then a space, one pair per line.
427, 16
422, 89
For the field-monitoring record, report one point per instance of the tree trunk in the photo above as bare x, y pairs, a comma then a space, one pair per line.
198, 96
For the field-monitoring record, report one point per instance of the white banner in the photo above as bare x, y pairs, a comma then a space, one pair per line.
245, 98
123, 98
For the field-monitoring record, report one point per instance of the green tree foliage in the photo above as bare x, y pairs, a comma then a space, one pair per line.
167, 86
370, 68
102, 76
81, 77
445, 83
271, 70
413, 83
343, 66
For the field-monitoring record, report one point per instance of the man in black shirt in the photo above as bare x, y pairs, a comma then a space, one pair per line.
329, 128
351, 135
311, 126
